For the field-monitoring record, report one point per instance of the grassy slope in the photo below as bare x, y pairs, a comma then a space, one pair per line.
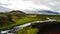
28, 30
19, 22
23, 21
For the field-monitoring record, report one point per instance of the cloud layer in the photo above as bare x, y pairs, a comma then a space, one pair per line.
31, 4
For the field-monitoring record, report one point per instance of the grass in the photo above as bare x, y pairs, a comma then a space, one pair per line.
58, 20
26, 20
28, 30
22, 21
19, 22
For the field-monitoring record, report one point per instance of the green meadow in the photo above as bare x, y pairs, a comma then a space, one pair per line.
13, 19
20, 22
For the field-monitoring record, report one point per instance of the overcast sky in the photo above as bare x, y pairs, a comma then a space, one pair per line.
31, 4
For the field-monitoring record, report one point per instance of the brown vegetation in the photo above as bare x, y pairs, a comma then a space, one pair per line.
11, 17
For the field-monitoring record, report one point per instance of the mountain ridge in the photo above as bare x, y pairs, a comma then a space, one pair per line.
46, 12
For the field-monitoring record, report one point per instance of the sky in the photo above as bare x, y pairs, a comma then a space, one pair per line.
31, 4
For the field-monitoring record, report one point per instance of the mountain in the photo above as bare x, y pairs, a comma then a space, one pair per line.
44, 12
3, 9
49, 12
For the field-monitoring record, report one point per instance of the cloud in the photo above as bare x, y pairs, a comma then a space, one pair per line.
53, 4
24, 4
32, 4
3, 4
